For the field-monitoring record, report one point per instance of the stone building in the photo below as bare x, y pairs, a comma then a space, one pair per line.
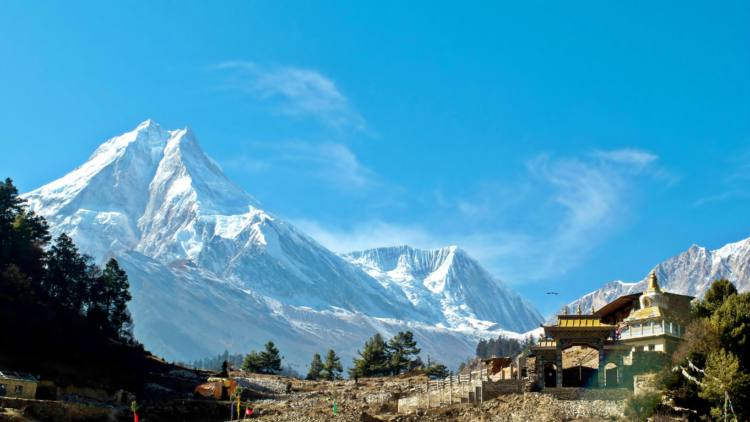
651, 321
15, 384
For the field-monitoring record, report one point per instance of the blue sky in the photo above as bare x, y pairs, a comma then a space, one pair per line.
564, 145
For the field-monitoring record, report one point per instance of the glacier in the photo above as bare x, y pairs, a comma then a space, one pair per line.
212, 268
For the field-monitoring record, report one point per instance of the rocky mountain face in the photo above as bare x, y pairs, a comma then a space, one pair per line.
211, 268
689, 273
448, 286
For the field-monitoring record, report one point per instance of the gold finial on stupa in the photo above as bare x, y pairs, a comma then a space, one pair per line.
653, 284
592, 309
579, 309
565, 310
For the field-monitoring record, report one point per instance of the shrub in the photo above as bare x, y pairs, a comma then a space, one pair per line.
641, 406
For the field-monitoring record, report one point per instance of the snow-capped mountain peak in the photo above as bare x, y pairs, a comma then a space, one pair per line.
154, 199
446, 284
689, 273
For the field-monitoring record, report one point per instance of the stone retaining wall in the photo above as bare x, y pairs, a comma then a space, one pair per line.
492, 389
574, 393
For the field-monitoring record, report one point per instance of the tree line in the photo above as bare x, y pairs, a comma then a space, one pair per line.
57, 305
502, 347
378, 358
34, 271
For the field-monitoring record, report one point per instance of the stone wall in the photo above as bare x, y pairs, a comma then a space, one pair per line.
589, 394
493, 389
474, 392
28, 389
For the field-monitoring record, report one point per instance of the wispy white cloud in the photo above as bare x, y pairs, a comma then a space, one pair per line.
626, 156
246, 164
567, 206
299, 91
331, 162
714, 198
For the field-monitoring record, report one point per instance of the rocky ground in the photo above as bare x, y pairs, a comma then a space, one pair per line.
375, 400
276, 398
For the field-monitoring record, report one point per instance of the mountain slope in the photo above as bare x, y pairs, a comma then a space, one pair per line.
689, 273
157, 192
449, 286
201, 253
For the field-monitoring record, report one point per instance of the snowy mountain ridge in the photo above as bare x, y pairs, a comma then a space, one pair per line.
689, 273
182, 229
448, 283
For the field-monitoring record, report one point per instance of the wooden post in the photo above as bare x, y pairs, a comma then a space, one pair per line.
451, 387
428, 394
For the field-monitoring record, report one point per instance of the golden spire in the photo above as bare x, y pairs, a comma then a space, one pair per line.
592, 309
579, 309
565, 310
653, 284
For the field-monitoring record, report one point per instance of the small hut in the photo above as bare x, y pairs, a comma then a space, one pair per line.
17, 384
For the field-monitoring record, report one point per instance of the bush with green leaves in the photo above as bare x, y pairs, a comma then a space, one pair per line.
640, 407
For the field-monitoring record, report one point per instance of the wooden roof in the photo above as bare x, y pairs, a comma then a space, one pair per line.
616, 304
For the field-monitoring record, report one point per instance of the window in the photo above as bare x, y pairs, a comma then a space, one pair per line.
638, 348
651, 347
19, 389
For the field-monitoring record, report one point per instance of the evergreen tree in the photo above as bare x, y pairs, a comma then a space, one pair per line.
438, 371
252, 362
719, 291
270, 361
399, 350
373, 360
316, 367
224, 370
332, 368
11, 205
66, 271
490, 348
482, 349
461, 366
116, 297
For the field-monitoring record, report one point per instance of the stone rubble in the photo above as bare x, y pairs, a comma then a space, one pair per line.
376, 402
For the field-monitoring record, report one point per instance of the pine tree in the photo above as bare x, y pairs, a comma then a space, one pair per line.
252, 362
270, 361
373, 360
482, 349
11, 205
116, 297
490, 349
332, 369
461, 366
400, 349
316, 367
66, 273
438, 370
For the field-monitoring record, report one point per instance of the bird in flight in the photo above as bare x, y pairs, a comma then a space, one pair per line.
551, 293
